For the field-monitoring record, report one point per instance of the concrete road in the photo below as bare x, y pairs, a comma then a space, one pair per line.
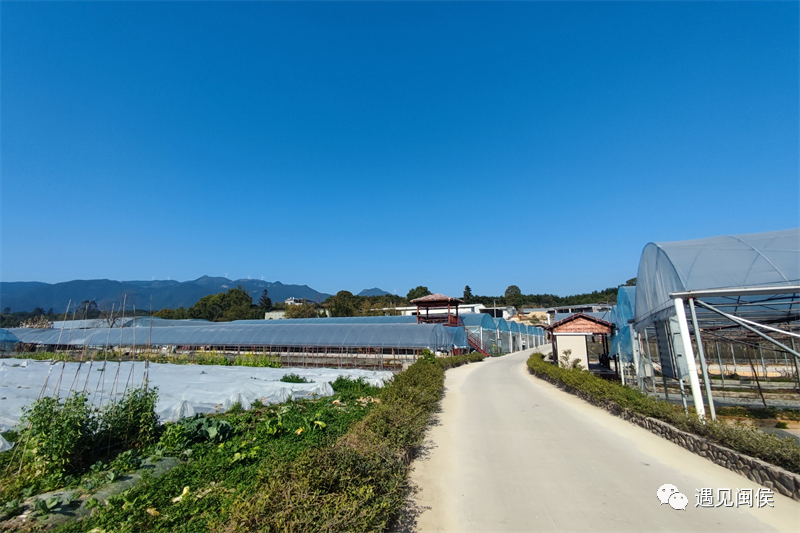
511, 452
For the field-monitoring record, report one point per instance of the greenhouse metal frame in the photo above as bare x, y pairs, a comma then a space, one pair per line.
735, 286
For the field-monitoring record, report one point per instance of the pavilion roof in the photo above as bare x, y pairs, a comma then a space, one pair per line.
436, 299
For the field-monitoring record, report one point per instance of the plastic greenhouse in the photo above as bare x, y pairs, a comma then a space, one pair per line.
738, 288
516, 335
503, 335
362, 344
482, 325
459, 336
397, 319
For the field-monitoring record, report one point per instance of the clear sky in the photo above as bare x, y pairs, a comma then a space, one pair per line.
353, 145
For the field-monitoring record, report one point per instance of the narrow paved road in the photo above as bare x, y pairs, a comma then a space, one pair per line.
511, 452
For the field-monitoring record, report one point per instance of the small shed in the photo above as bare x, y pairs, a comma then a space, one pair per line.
574, 334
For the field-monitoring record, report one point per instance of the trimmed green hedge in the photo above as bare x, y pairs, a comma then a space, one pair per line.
744, 439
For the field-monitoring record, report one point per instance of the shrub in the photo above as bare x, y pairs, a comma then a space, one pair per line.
258, 360
294, 378
350, 388
358, 483
745, 439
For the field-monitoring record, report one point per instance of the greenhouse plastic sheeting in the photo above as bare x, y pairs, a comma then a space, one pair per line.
128, 322
769, 259
182, 389
501, 325
459, 336
620, 314
413, 336
398, 319
482, 320
624, 309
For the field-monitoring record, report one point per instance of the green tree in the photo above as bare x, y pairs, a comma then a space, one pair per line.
265, 302
513, 296
418, 292
301, 311
165, 313
235, 304
467, 295
208, 307
631, 282
343, 304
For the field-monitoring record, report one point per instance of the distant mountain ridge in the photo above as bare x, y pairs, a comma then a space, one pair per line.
375, 291
165, 294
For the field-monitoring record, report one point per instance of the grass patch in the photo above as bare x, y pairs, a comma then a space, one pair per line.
783, 452
759, 413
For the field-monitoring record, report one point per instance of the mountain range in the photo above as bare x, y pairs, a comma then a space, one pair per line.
165, 294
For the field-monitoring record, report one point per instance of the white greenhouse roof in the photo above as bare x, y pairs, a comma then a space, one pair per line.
738, 263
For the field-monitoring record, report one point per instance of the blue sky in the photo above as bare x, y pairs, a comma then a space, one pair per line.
353, 145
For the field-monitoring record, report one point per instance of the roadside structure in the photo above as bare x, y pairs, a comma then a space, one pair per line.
445, 309
571, 336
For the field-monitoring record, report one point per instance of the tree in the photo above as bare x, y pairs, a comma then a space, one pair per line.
467, 295
631, 282
265, 302
301, 311
513, 296
418, 292
235, 304
165, 313
343, 304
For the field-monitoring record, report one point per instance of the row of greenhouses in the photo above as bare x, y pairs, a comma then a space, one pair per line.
386, 334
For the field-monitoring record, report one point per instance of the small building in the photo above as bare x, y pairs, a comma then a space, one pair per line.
582, 335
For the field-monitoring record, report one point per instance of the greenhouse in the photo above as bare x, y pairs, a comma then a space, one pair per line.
516, 335
127, 322
459, 336
503, 335
312, 344
481, 325
397, 319
739, 288
626, 343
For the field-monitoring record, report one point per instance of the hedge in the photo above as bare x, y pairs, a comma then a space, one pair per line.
739, 437
360, 482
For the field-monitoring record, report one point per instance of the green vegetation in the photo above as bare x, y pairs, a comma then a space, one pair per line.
58, 440
333, 464
294, 378
759, 413
417, 292
302, 311
236, 304
742, 438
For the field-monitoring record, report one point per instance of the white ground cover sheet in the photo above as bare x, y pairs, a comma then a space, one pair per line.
183, 390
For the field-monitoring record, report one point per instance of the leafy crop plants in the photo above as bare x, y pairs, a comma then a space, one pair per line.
69, 445
332, 464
